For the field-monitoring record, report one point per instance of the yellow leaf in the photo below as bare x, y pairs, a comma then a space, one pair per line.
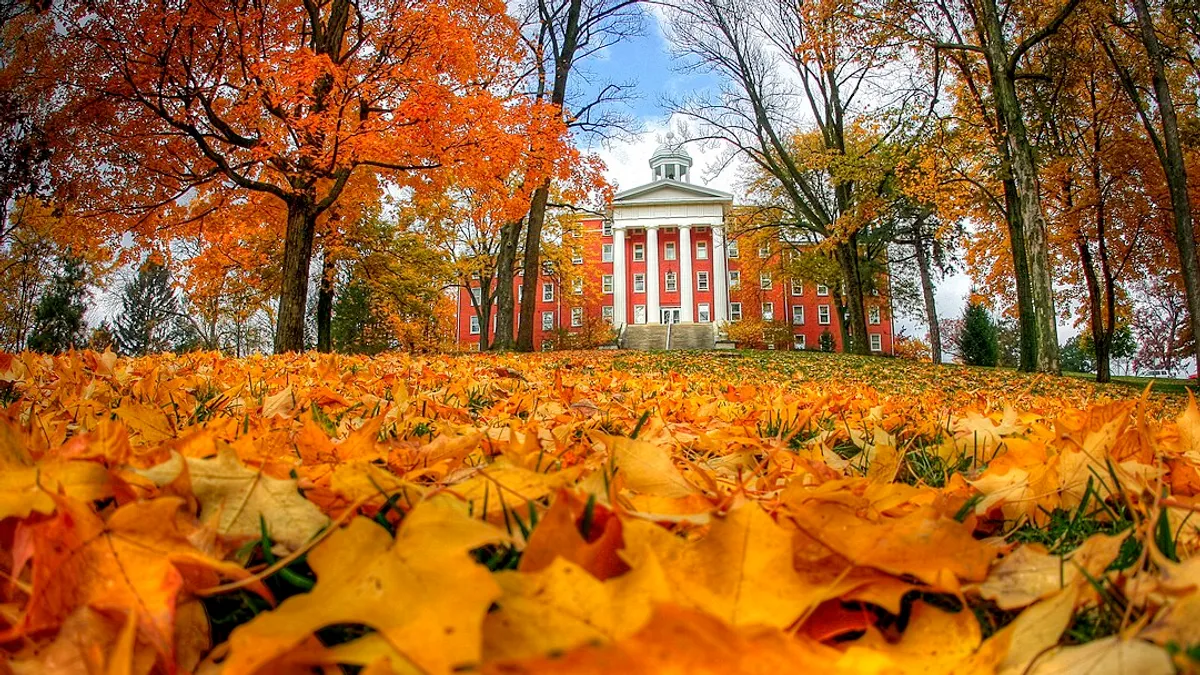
421, 591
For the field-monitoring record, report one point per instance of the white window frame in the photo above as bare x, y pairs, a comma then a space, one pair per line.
576, 256
577, 286
822, 290
702, 250
576, 317
669, 252
606, 313
703, 313
797, 287
874, 316
800, 341
606, 253
876, 342
547, 291
731, 248
735, 311
474, 324
823, 315
735, 279
548, 320
671, 282
606, 284
639, 283
765, 282
520, 291
701, 281
797, 315
764, 250
768, 311
606, 230
477, 294
639, 252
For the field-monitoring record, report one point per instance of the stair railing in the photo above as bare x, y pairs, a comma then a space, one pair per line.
670, 323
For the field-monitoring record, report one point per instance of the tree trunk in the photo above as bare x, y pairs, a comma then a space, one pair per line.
510, 236
532, 266
325, 305
293, 291
483, 309
847, 257
931, 316
1026, 224
1026, 319
1171, 157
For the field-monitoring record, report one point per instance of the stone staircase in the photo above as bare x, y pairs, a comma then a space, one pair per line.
653, 337
693, 336
646, 337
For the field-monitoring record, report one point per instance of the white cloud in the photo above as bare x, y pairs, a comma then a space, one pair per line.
628, 161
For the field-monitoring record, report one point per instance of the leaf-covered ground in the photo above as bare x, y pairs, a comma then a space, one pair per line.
590, 512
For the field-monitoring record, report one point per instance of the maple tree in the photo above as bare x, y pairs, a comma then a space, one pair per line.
279, 106
985, 44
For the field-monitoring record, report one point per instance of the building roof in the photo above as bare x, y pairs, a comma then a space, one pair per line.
645, 193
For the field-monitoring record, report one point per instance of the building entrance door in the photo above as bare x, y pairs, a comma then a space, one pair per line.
670, 315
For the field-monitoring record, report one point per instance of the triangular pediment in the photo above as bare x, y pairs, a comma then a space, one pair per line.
666, 190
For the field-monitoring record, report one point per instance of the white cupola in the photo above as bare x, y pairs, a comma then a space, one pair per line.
671, 162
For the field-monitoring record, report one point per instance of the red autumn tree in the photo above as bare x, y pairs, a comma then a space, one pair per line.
280, 102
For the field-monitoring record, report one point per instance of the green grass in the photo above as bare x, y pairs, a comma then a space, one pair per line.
1161, 386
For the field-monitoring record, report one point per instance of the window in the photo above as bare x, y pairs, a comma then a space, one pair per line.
606, 253
576, 316
764, 281
477, 294
577, 286
672, 282
876, 342
768, 311
797, 287
639, 253
798, 315
735, 279
576, 257
606, 229
702, 281
669, 251
735, 311
548, 292
731, 248
702, 250
606, 313
547, 345
822, 289
823, 315
474, 325
800, 342
606, 283
639, 283
475, 276
547, 268
547, 320
764, 250
873, 316
703, 313
520, 291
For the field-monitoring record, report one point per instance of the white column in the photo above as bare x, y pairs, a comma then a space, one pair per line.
653, 315
619, 299
687, 278
720, 277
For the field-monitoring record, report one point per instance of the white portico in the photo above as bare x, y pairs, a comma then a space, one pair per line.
669, 254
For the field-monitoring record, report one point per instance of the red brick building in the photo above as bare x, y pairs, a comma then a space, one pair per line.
662, 256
